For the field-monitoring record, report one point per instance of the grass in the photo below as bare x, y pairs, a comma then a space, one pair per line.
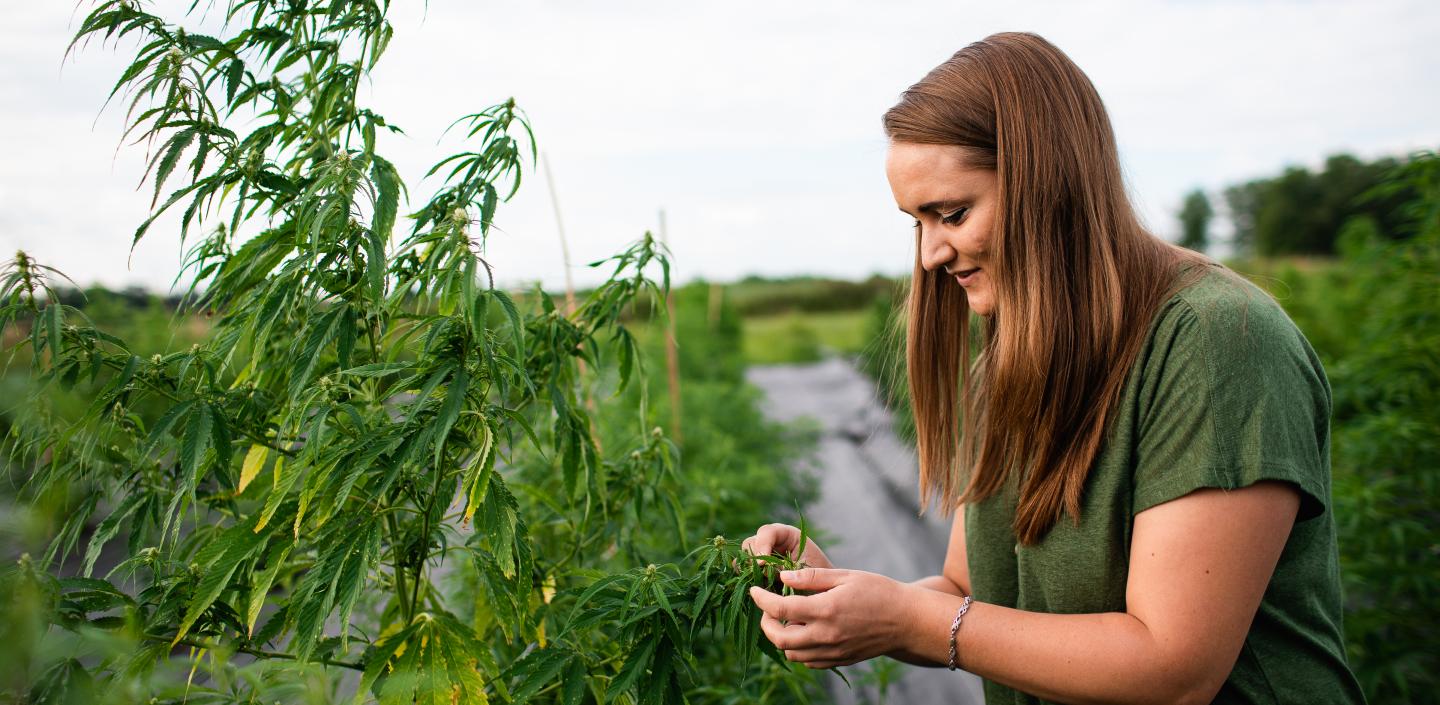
803, 337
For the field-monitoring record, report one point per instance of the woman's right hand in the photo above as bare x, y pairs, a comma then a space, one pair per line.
784, 539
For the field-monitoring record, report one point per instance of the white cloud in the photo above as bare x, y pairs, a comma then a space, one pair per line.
755, 125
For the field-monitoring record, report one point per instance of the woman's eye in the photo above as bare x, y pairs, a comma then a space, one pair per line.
954, 217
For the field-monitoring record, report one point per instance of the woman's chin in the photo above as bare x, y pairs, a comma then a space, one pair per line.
979, 302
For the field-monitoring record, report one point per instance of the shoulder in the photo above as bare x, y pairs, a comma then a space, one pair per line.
1235, 329
1229, 388
1220, 301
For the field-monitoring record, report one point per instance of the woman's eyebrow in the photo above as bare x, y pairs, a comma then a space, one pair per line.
936, 206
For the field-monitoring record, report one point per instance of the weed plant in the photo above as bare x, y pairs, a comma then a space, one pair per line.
368, 420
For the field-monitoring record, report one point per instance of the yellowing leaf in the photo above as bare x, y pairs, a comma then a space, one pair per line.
477, 476
300, 512
277, 494
254, 462
245, 373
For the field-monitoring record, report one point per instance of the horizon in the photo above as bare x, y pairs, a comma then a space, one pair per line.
766, 159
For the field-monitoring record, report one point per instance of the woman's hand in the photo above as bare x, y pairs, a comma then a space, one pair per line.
852, 616
783, 539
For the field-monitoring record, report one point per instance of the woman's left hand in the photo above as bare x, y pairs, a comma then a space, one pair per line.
852, 616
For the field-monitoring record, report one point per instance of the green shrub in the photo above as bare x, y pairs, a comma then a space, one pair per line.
1375, 319
374, 475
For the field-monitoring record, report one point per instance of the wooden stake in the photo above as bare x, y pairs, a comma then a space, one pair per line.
672, 353
570, 294
564, 246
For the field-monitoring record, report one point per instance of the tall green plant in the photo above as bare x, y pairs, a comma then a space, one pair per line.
1385, 371
367, 409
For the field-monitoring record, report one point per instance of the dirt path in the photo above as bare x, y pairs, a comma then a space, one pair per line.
867, 505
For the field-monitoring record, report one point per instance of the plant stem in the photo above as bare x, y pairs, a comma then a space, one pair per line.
251, 435
401, 593
425, 537
258, 653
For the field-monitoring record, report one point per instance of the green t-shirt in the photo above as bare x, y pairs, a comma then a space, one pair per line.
1226, 392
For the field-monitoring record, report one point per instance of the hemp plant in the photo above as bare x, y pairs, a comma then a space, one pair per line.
368, 417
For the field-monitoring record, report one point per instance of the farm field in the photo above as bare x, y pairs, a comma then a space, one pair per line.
336, 462
804, 337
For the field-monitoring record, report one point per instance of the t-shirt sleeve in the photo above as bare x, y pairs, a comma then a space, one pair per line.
1233, 394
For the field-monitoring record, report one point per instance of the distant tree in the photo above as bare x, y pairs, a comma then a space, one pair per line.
1242, 202
1302, 212
1195, 221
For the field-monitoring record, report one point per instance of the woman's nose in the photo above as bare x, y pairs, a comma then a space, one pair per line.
934, 252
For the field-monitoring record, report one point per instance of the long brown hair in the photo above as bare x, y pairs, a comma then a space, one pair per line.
1077, 278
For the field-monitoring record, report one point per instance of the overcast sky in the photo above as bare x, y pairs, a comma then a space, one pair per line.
754, 125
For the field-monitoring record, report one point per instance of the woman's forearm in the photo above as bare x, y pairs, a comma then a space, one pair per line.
937, 583
1073, 658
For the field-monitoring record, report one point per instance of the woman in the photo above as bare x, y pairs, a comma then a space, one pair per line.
1141, 473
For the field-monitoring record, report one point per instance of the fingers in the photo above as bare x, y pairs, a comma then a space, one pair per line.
820, 658
794, 635
822, 664
771, 538
774, 606
789, 608
813, 579
784, 621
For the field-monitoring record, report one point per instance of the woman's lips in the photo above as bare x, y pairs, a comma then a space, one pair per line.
965, 277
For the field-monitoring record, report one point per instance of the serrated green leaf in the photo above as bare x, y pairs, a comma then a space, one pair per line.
196, 441
378, 369
450, 411
353, 577
537, 669
387, 197
590, 594
375, 264
403, 679
572, 689
169, 158
517, 329
238, 544
636, 663
378, 659
109, 528
260, 584
281, 487
221, 442
659, 591
161, 429
324, 332
52, 331
234, 73
477, 476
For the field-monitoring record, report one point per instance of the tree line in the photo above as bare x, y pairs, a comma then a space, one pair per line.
1301, 211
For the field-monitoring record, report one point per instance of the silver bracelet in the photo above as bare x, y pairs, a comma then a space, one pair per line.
955, 627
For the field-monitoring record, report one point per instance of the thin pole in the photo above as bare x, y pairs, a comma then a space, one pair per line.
560, 227
569, 292
672, 353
